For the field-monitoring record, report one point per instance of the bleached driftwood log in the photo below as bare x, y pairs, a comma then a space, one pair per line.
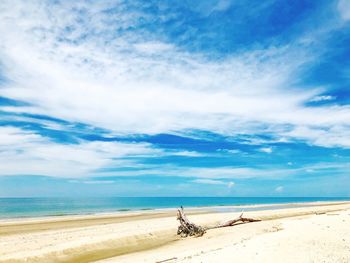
187, 228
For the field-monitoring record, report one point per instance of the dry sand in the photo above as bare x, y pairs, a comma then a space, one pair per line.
317, 233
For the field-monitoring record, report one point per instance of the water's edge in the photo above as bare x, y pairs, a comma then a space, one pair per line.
48, 207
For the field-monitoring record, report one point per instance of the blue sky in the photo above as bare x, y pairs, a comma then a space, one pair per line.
175, 98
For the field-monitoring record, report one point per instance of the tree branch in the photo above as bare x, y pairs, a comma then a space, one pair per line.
187, 228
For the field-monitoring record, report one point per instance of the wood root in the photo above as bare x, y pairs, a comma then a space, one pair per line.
187, 228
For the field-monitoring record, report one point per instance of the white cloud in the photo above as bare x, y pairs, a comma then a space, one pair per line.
222, 5
213, 182
230, 184
186, 153
99, 182
234, 172
212, 173
11, 136
232, 151
209, 181
23, 153
224, 176
344, 9
69, 61
38, 155
279, 189
130, 84
335, 136
266, 149
217, 174
322, 98
153, 47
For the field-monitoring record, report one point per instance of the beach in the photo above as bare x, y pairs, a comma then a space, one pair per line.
314, 232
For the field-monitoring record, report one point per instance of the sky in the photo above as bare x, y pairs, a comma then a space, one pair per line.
175, 98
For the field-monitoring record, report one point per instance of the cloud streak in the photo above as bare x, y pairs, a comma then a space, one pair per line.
39, 156
119, 70
67, 70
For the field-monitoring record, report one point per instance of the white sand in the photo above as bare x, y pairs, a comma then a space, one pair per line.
286, 235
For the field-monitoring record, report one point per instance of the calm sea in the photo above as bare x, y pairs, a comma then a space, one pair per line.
34, 207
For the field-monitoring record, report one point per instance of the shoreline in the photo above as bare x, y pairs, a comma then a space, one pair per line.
130, 237
13, 210
190, 209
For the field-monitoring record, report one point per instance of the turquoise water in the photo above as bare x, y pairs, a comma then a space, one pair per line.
34, 207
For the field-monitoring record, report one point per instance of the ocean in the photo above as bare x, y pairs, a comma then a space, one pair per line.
36, 207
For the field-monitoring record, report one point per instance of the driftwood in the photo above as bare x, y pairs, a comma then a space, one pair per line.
187, 228
165, 260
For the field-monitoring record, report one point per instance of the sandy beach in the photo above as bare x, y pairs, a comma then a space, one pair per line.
318, 232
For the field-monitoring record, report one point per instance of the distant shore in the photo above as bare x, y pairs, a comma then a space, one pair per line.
319, 230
